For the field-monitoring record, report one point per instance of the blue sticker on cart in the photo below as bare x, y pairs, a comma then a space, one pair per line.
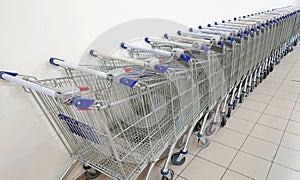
80, 129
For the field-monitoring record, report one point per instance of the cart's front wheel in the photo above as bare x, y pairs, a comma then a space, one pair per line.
91, 175
272, 67
234, 104
210, 130
171, 172
203, 143
223, 121
242, 97
174, 159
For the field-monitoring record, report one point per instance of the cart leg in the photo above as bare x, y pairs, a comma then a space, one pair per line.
249, 85
238, 96
69, 169
230, 104
223, 111
150, 169
203, 141
167, 174
210, 129
244, 91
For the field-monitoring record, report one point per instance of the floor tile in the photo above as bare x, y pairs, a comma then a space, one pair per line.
251, 166
204, 169
231, 175
297, 107
269, 85
286, 95
274, 80
278, 111
254, 105
261, 148
218, 153
247, 114
260, 97
295, 116
267, 133
294, 90
278, 75
263, 90
293, 127
230, 138
193, 146
240, 125
273, 121
286, 104
288, 157
177, 169
278, 172
291, 141
180, 178
154, 175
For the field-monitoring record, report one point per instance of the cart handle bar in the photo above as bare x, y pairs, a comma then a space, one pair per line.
123, 80
182, 56
11, 76
147, 64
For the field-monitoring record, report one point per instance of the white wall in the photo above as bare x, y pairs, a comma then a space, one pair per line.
32, 31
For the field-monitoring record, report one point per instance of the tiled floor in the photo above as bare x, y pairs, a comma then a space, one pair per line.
261, 140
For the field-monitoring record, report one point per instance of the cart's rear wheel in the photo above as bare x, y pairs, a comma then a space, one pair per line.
242, 97
174, 159
271, 67
203, 143
229, 111
171, 176
234, 104
210, 130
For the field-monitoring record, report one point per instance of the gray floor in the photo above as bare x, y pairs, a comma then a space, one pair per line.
262, 138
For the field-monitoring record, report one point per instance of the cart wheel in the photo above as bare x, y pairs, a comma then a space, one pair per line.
91, 175
242, 97
234, 104
265, 75
252, 87
171, 174
229, 111
268, 70
223, 121
210, 130
174, 159
204, 143
260, 79
198, 126
271, 67
292, 49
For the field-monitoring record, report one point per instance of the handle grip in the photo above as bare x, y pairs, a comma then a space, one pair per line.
10, 76
128, 81
154, 51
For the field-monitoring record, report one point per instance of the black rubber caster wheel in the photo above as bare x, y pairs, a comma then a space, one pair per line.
265, 75
242, 97
268, 70
91, 175
234, 104
271, 67
166, 178
223, 121
229, 111
174, 159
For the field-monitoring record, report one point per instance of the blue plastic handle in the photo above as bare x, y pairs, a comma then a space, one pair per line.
221, 43
147, 40
51, 61
84, 103
205, 48
123, 45
179, 33
230, 38
160, 68
92, 52
185, 57
128, 81
9, 73
199, 27
191, 29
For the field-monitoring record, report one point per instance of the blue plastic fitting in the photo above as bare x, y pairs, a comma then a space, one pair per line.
223, 21
164, 173
9, 73
244, 16
204, 48
123, 45
216, 23
179, 33
128, 81
230, 38
166, 36
258, 27
92, 52
184, 152
199, 27
185, 57
253, 29
209, 25
147, 40
191, 29
160, 68
239, 34
247, 32
84, 103
235, 19
51, 61
221, 43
